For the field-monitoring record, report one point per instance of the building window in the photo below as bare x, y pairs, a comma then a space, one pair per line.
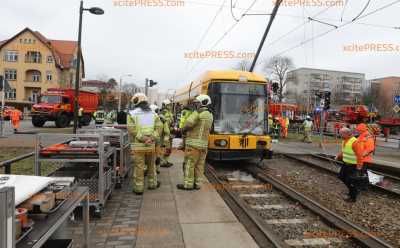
11, 56
10, 74
49, 76
12, 94
50, 59
35, 76
33, 57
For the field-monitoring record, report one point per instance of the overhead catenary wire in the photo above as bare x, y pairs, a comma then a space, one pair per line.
362, 11
339, 27
226, 33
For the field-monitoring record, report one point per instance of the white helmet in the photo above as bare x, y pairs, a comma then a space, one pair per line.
138, 98
166, 102
154, 107
204, 100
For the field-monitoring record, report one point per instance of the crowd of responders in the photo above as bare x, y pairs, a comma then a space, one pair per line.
372, 47
148, 3
219, 55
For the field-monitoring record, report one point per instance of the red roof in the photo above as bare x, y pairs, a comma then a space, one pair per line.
63, 50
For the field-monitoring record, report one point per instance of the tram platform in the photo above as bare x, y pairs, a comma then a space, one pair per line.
163, 218
172, 218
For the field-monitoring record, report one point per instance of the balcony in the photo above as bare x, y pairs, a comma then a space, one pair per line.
33, 57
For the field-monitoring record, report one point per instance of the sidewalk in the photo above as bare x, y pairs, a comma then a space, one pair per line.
190, 219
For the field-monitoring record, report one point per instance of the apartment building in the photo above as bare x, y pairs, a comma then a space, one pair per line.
31, 64
383, 91
303, 83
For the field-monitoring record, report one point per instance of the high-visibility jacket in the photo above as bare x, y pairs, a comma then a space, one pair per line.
198, 126
307, 125
99, 116
169, 117
80, 112
286, 122
15, 115
184, 115
270, 122
367, 142
349, 155
142, 123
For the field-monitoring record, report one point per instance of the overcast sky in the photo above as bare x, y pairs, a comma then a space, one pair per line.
151, 41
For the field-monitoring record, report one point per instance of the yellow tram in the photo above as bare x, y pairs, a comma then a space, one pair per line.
240, 116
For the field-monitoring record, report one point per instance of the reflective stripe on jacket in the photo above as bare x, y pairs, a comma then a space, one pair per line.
349, 156
140, 124
198, 125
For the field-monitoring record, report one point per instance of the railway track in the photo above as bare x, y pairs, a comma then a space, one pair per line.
391, 183
277, 215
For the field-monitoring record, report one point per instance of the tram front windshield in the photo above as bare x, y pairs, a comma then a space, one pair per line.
238, 108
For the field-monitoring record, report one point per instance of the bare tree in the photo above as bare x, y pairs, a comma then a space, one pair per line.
243, 65
279, 66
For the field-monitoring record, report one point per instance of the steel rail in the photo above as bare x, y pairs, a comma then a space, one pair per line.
363, 237
255, 225
318, 166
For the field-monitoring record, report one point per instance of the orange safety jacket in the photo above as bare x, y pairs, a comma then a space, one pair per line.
367, 143
15, 115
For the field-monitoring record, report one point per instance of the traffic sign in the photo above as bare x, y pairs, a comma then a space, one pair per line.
396, 108
397, 99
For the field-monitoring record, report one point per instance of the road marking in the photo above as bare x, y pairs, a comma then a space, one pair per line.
287, 221
316, 241
259, 195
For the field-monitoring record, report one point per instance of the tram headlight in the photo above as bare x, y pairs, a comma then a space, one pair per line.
221, 142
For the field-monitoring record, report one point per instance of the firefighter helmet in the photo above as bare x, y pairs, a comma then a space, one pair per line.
204, 100
139, 98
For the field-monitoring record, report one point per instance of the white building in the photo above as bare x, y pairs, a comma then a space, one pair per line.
303, 83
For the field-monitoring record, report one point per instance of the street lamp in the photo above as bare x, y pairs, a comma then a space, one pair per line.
120, 89
95, 11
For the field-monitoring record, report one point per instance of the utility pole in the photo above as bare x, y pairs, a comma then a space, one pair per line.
78, 67
3, 87
271, 20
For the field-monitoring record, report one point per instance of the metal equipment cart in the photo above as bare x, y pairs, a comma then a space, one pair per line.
42, 229
119, 139
88, 165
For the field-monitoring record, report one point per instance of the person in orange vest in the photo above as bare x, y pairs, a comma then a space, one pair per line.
352, 173
367, 141
283, 126
15, 118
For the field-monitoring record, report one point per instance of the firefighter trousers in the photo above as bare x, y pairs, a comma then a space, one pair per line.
140, 159
194, 167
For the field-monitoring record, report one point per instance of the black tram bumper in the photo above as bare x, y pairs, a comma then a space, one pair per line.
229, 155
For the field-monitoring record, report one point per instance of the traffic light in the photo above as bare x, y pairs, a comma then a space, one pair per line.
275, 87
327, 97
152, 83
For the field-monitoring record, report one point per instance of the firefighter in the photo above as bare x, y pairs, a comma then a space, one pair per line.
80, 116
352, 173
197, 129
15, 117
367, 140
167, 116
307, 126
158, 141
270, 123
277, 128
98, 117
186, 112
142, 128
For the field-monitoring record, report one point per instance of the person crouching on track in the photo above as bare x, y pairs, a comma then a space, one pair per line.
352, 173
197, 129
142, 128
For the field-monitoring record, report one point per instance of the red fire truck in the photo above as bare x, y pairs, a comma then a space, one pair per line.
58, 105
